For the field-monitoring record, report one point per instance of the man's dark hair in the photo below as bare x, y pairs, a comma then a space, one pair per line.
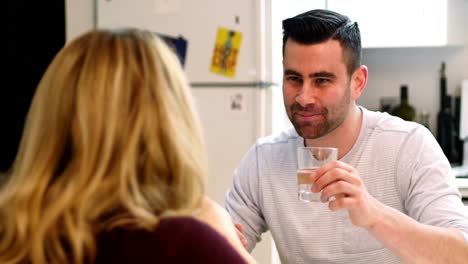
317, 26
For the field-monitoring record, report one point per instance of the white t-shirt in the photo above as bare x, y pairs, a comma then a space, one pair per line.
401, 165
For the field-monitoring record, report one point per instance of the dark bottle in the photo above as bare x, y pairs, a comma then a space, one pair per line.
443, 86
404, 109
446, 129
458, 159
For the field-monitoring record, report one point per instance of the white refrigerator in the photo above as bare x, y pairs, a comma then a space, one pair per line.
234, 110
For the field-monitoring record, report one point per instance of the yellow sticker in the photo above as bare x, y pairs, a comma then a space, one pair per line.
226, 52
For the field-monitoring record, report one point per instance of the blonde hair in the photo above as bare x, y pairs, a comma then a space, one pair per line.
111, 139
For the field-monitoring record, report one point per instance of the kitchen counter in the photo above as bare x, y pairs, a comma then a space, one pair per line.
462, 184
461, 180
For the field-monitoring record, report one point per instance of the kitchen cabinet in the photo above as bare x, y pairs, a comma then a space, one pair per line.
402, 23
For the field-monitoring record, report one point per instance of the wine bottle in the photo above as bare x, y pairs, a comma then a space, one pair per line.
404, 110
445, 119
445, 129
458, 159
443, 86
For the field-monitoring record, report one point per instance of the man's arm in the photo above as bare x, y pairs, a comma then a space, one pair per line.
412, 241
242, 200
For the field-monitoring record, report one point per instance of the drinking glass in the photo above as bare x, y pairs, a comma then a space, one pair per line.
308, 160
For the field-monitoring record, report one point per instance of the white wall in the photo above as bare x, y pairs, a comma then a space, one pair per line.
79, 17
417, 67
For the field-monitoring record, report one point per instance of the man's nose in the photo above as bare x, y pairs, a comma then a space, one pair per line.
307, 95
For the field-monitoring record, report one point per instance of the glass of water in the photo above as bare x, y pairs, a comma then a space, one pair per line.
308, 160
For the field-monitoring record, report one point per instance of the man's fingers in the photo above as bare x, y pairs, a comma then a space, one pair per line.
239, 231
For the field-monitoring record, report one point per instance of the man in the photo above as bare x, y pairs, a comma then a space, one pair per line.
393, 199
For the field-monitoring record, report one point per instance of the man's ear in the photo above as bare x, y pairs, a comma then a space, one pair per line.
359, 81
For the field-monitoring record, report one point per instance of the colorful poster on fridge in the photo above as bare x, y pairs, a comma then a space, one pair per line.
226, 52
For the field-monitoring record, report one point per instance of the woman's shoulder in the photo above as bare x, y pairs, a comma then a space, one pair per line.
172, 235
184, 225
167, 229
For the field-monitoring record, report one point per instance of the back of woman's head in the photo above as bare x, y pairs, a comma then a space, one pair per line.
111, 139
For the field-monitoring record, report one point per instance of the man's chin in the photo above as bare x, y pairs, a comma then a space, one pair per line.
309, 131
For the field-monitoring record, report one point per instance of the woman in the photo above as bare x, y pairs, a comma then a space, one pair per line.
111, 164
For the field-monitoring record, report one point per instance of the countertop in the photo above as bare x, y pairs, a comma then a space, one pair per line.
462, 184
461, 179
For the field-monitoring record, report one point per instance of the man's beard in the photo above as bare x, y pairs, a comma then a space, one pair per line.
331, 117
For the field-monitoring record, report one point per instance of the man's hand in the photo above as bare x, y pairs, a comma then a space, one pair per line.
240, 234
341, 181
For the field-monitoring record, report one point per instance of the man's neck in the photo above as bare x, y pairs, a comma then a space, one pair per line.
343, 137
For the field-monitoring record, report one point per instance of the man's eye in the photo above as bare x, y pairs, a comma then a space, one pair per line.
322, 81
294, 79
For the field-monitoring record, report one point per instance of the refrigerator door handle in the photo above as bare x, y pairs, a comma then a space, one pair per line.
258, 84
